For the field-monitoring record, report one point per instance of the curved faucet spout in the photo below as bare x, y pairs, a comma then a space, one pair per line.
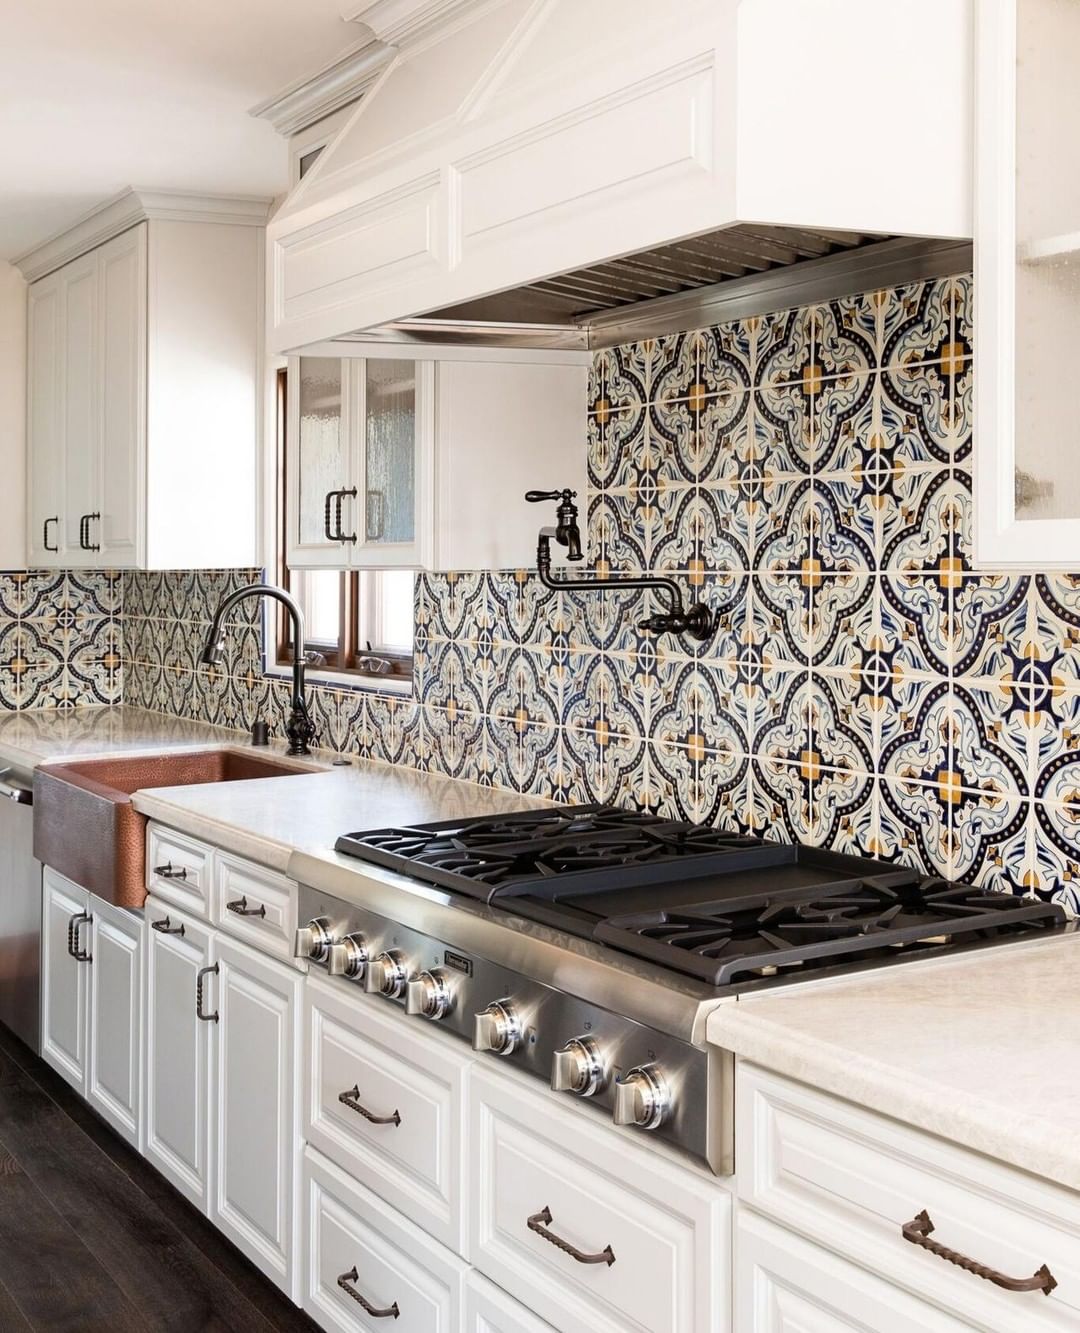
299, 728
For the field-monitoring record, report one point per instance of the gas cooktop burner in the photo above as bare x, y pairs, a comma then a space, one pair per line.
724, 907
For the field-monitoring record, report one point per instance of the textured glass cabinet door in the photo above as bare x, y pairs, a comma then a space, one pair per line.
389, 453
1027, 290
322, 453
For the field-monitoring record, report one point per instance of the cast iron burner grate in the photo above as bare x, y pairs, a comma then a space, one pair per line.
725, 942
522, 851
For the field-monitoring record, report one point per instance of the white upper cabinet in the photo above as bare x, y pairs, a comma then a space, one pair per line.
1027, 283
143, 391
422, 463
509, 141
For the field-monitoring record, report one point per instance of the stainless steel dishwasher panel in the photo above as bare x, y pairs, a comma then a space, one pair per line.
20, 912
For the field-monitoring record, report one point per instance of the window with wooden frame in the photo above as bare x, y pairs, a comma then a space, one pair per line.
358, 622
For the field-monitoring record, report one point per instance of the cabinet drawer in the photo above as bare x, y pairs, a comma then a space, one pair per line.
783, 1284
179, 870
488, 1309
412, 1082
357, 1246
256, 905
851, 1179
667, 1227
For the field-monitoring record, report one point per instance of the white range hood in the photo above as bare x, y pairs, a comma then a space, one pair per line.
533, 163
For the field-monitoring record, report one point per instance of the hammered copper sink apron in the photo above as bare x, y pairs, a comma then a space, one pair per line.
86, 828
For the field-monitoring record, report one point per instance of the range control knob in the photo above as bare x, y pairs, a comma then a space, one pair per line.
429, 995
314, 940
347, 958
497, 1028
578, 1068
642, 1098
386, 975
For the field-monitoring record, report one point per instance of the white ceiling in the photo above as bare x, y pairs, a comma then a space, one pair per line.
96, 95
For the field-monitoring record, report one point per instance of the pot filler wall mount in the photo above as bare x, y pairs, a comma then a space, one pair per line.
695, 621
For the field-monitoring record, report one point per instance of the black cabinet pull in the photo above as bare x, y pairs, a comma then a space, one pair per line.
345, 1281
45, 533
165, 927
74, 944
327, 513
169, 871
90, 518
340, 536
351, 1099
541, 1221
240, 907
204, 971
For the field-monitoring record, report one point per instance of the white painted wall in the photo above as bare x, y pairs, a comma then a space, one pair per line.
12, 418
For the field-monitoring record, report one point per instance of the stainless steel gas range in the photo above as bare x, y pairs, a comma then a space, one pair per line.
587, 945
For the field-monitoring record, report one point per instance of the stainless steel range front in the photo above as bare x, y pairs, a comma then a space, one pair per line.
586, 946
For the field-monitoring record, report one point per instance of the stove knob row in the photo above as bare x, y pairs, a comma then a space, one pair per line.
578, 1068
386, 974
497, 1028
348, 957
642, 1098
314, 940
429, 995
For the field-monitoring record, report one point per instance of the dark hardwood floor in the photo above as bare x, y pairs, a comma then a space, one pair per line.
91, 1237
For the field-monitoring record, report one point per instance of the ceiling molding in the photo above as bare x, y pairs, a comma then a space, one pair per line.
309, 100
403, 22
130, 207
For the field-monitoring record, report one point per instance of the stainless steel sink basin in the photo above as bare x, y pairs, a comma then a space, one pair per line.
86, 828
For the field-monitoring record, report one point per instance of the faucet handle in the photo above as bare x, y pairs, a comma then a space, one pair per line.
538, 497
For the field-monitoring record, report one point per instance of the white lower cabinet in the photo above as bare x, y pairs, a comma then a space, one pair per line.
178, 1100
254, 1005
488, 1309
91, 992
784, 1284
367, 1267
223, 1084
593, 1232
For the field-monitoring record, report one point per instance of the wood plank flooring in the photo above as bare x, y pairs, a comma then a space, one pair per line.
92, 1238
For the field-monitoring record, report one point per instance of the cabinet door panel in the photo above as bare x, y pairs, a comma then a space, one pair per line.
45, 423
80, 398
114, 1057
63, 979
177, 1051
256, 1136
319, 460
123, 392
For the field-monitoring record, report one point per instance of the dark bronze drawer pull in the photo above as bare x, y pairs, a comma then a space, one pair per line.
918, 1232
204, 971
166, 927
45, 533
169, 871
539, 1222
74, 945
351, 1099
240, 907
391, 1311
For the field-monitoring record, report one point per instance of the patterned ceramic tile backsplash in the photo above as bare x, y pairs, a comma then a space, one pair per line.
808, 475
59, 639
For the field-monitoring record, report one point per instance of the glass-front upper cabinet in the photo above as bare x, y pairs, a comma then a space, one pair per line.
1027, 284
356, 445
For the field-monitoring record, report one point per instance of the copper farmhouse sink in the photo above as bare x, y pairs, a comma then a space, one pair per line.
86, 828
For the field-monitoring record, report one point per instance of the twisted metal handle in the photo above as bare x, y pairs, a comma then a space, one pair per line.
75, 948
350, 493
45, 533
96, 546
330, 535
240, 907
539, 1222
169, 871
918, 1230
202, 972
165, 927
351, 1099
389, 1312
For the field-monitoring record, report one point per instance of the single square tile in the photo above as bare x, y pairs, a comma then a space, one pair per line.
725, 357
843, 734
845, 335
845, 813
784, 539
987, 610
919, 744
992, 741
844, 622
993, 845
843, 414
917, 411
784, 426
782, 802
783, 347
917, 323
914, 621
846, 522
780, 627
913, 826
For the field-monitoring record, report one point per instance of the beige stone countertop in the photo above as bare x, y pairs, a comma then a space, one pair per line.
32, 738
981, 1048
264, 819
